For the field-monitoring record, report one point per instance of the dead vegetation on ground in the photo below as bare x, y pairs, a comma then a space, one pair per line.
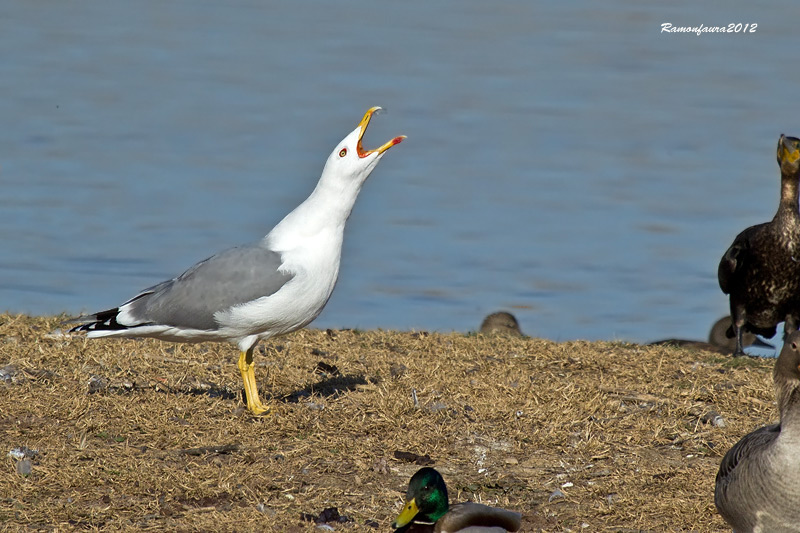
140, 435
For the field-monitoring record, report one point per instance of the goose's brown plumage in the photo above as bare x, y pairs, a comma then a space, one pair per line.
758, 483
761, 269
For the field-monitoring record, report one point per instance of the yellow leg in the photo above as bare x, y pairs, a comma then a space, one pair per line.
246, 367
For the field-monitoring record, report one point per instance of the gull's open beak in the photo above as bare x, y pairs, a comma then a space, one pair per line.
408, 513
363, 125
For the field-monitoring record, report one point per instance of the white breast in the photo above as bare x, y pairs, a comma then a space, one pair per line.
314, 263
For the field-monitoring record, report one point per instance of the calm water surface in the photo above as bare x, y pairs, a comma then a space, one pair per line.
565, 161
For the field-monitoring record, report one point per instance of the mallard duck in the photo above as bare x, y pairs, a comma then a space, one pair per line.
261, 290
502, 323
758, 483
718, 340
761, 269
427, 510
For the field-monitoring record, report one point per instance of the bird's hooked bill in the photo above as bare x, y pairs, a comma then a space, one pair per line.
363, 125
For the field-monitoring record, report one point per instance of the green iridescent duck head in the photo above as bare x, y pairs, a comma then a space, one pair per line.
426, 499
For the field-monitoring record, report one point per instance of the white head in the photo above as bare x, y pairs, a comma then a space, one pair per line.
329, 205
349, 165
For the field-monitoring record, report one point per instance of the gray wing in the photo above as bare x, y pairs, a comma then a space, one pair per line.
750, 444
229, 278
741, 478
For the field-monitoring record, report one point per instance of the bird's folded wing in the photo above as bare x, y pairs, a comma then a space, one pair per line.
233, 277
745, 448
463, 515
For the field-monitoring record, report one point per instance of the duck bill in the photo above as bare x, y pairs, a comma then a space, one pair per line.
363, 126
410, 510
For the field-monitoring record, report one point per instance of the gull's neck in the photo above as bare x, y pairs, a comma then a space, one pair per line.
325, 210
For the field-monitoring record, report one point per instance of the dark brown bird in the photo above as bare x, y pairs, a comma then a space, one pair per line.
501, 323
758, 483
761, 269
718, 340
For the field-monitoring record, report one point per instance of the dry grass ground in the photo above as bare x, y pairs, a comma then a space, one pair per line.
148, 436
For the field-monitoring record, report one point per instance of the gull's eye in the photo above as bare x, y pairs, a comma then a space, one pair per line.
343, 152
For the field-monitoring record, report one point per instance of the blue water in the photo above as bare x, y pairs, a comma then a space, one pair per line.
565, 161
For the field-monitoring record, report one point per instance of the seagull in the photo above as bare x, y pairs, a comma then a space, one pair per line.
257, 291
757, 484
760, 271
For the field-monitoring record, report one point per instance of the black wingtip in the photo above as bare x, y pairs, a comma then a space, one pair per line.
104, 320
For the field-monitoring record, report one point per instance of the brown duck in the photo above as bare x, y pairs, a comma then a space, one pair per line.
758, 483
718, 340
501, 323
761, 269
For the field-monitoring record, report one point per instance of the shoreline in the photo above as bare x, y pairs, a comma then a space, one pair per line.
143, 434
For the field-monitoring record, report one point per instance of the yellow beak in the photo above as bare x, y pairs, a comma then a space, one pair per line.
410, 510
789, 153
363, 125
